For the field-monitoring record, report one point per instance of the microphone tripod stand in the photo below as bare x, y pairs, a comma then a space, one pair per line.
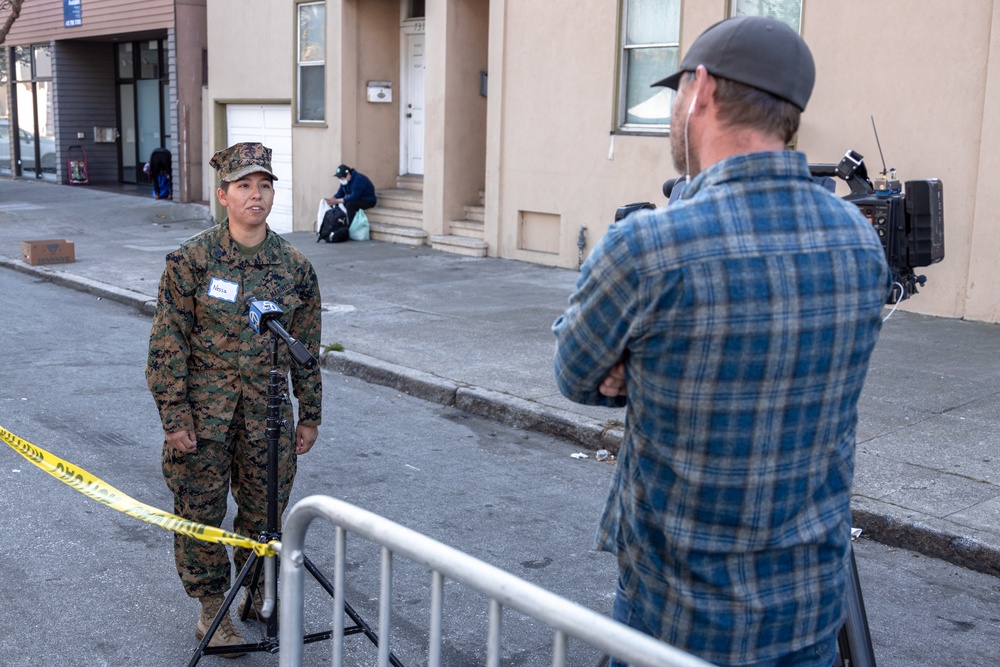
269, 642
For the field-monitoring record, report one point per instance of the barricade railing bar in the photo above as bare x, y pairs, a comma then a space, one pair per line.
504, 590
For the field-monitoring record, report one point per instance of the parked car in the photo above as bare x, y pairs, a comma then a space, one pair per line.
27, 141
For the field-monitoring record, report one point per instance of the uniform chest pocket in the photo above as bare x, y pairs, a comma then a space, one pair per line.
218, 303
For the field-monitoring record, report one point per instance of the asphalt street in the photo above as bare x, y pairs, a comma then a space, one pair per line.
474, 334
85, 585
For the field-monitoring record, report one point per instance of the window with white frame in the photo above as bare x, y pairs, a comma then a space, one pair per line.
310, 86
649, 44
786, 11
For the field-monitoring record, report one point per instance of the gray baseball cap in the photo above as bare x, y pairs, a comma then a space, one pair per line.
756, 51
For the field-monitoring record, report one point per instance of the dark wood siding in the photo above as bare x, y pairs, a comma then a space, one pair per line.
85, 98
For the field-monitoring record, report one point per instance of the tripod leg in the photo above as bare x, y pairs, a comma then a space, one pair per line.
855, 641
360, 624
250, 609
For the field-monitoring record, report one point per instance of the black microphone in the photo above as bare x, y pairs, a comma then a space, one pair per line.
266, 314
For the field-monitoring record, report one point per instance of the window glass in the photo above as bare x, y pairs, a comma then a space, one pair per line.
652, 21
649, 52
311, 90
643, 104
43, 62
311, 33
149, 59
125, 70
787, 11
22, 63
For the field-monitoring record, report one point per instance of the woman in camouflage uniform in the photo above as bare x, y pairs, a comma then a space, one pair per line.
208, 373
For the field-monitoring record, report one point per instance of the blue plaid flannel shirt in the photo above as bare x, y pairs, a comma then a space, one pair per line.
746, 313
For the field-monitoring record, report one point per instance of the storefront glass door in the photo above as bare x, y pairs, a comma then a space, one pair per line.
141, 87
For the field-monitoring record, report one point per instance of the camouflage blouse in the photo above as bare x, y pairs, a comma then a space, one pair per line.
203, 354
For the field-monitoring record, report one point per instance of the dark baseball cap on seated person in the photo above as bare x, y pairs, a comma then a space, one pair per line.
342, 170
241, 160
760, 52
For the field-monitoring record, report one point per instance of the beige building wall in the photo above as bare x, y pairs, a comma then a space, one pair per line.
191, 35
923, 77
362, 134
544, 147
244, 67
982, 301
455, 165
555, 164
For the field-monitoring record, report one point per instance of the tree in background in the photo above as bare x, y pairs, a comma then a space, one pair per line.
12, 8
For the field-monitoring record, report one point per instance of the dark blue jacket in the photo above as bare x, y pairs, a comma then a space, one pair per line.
359, 190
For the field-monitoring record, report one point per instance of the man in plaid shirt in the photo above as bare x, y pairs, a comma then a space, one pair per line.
736, 326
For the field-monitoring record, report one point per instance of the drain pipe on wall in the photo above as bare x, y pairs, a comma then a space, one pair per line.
581, 243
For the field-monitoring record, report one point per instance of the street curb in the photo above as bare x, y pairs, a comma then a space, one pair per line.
375, 371
893, 531
101, 290
877, 525
497, 406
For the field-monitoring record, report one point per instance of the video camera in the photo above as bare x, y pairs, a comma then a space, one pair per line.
910, 223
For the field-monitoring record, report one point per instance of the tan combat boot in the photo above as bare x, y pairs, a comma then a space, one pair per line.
226, 634
254, 606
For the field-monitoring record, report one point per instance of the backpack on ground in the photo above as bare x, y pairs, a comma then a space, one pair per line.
334, 228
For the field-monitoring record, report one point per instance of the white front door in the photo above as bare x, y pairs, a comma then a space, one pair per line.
271, 125
412, 135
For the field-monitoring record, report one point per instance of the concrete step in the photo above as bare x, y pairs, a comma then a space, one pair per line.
410, 182
472, 229
459, 245
394, 234
397, 217
473, 212
411, 200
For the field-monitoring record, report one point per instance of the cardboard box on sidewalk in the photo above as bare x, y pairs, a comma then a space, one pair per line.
50, 251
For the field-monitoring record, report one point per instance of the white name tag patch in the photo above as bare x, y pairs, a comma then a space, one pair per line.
223, 289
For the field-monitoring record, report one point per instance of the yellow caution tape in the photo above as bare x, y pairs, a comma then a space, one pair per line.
92, 487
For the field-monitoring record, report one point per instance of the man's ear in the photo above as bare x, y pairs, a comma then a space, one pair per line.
221, 195
702, 88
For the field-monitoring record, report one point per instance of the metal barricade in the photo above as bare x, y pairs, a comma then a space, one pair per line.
504, 590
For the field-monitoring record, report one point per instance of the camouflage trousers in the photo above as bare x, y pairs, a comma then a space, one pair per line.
201, 482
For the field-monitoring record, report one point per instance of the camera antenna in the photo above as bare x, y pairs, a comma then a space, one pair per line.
885, 171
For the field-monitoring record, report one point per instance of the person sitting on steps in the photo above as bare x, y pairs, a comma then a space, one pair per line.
356, 191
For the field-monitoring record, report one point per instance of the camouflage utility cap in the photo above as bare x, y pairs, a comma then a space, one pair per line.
240, 160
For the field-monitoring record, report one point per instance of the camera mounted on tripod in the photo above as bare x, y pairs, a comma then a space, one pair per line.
909, 220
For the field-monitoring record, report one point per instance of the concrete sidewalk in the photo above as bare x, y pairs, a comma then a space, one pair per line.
474, 333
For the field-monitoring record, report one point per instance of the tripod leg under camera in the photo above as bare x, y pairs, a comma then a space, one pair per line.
854, 642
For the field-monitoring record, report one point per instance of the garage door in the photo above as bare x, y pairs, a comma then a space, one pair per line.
271, 125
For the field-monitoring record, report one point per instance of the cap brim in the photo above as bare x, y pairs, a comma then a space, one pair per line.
671, 81
246, 171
